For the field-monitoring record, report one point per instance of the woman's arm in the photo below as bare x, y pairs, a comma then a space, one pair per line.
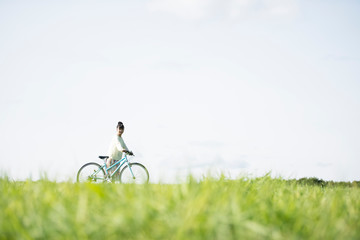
121, 146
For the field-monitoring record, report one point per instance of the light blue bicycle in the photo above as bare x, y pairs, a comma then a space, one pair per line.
130, 173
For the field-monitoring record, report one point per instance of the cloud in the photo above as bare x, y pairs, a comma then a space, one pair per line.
233, 9
281, 7
207, 144
217, 161
342, 58
323, 164
188, 9
236, 163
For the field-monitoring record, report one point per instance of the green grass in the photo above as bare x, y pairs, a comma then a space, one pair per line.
259, 208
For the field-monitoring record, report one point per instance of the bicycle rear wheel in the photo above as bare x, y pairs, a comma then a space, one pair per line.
91, 172
138, 174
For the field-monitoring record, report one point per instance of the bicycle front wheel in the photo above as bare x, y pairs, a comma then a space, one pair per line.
91, 172
137, 173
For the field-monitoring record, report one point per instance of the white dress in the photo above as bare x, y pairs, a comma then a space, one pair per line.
117, 145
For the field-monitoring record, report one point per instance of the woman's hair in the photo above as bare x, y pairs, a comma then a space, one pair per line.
120, 125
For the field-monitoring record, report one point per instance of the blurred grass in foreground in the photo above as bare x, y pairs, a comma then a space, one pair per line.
259, 208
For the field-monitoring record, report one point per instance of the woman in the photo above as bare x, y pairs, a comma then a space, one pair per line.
117, 146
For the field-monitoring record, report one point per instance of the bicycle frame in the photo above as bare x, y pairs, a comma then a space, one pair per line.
117, 164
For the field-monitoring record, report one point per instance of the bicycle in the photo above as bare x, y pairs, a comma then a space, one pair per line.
131, 173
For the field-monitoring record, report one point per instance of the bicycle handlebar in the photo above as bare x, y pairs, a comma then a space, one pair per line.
130, 153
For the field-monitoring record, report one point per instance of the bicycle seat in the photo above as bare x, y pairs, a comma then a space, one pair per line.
103, 157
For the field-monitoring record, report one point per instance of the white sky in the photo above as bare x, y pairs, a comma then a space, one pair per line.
241, 86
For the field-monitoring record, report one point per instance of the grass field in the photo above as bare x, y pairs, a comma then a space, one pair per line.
259, 208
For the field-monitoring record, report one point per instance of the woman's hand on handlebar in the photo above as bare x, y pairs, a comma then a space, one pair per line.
128, 152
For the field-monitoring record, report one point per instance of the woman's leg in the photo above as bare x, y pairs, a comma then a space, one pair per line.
108, 164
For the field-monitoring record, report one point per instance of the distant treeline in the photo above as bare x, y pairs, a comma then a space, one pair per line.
319, 182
